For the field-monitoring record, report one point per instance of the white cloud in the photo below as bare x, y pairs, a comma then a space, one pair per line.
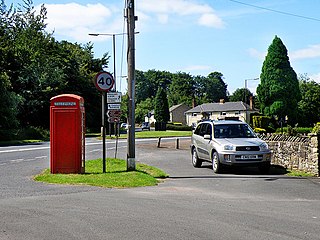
312, 51
172, 8
210, 20
75, 21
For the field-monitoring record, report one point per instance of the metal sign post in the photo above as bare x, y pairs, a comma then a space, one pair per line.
104, 83
103, 134
113, 113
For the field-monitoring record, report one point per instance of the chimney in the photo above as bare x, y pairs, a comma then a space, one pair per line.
251, 103
194, 104
222, 101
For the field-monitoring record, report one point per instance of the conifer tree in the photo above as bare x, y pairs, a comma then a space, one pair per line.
278, 92
161, 108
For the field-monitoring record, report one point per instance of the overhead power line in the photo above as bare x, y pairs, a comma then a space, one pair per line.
276, 11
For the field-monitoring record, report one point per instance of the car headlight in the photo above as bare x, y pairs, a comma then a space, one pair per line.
264, 146
228, 147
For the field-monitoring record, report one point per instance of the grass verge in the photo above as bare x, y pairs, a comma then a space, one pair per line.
117, 175
297, 173
280, 170
157, 134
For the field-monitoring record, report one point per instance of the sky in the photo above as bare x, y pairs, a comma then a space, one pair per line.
194, 36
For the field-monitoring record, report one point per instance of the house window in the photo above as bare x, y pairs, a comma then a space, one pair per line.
237, 113
194, 114
223, 113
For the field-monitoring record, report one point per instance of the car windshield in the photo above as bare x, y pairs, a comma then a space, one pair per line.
233, 131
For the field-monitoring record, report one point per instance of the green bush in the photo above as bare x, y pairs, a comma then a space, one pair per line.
175, 123
259, 130
316, 128
293, 131
261, 122
34, 133
6, 135
304, 130
178, 127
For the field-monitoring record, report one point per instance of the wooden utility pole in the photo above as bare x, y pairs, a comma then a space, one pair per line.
131, 165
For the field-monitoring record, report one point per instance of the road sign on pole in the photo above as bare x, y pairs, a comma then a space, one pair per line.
114, 106
114, 97
113, 119
104, 81
113, 113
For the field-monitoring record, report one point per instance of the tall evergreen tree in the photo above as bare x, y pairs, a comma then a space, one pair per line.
278, 91
161, 108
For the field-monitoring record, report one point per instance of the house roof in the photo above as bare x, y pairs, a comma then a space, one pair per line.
177, 106
219, 107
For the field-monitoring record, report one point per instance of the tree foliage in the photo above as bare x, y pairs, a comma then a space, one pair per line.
35, 67
215, 88
310, 103
147, 83
181, 87
143, 108
241, 94
278, 92
161, 107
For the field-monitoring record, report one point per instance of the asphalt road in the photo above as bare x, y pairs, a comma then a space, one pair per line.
191, 204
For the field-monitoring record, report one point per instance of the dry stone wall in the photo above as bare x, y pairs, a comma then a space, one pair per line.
295, 153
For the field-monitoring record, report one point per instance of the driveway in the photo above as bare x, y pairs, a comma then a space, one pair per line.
191, 204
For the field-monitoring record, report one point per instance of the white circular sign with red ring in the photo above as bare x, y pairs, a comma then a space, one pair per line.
104, 81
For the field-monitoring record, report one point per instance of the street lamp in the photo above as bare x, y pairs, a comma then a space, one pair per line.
245, 94
114, 50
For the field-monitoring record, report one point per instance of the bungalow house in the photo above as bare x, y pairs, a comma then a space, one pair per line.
222, 110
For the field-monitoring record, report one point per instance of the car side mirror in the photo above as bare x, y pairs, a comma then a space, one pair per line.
207, 136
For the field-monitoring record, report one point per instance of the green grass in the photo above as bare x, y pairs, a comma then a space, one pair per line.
157, 134
116, 176
280, 170
297, 173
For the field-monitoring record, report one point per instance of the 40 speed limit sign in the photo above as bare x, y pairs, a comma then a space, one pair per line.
104, 81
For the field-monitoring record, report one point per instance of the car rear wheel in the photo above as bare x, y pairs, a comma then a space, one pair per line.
216, 165
196, 162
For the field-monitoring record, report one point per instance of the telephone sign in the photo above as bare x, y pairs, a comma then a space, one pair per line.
104, 81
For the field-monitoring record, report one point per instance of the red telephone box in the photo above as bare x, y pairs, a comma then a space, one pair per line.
67, 134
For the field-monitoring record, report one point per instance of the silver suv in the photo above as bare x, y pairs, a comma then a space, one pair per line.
227, 142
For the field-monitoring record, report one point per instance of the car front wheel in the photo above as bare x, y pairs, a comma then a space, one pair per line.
196, 162
216, 165
264, 168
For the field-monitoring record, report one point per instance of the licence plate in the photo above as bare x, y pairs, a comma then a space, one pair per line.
249, 156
